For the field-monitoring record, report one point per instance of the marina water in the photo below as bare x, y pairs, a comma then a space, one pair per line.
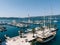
13, 31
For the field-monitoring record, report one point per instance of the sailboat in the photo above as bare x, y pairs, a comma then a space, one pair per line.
47, 33
55, 20
29, 20
2, 28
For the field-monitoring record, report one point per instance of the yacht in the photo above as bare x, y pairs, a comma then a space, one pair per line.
2, 28
46, 33
28, 30
21, 25
55, 20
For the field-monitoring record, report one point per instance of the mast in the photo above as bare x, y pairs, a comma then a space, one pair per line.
43, 28
29, 18
51, 9
44, 21
50, 22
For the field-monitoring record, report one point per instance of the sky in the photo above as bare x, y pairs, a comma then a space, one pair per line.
23, 8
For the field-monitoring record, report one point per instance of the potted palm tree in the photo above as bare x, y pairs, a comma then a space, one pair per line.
33, 31
21, 33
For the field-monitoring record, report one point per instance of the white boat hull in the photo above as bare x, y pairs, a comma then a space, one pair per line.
47, 40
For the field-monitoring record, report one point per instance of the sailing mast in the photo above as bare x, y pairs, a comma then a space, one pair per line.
44, 21
29, 18
43, 28
51, 9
